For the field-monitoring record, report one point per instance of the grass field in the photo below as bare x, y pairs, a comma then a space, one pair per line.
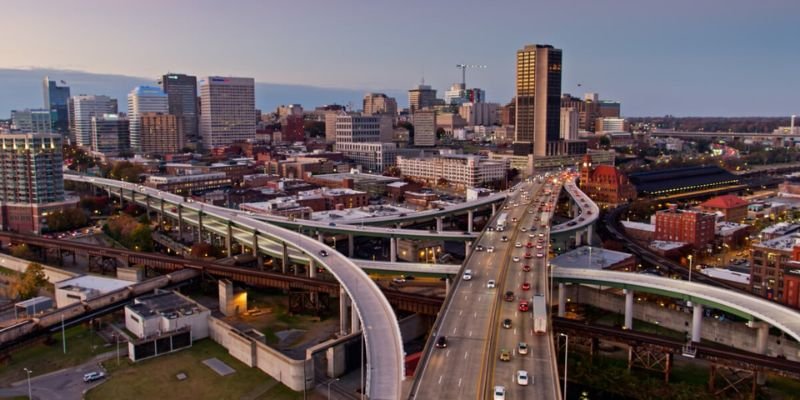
155, 378
43, 358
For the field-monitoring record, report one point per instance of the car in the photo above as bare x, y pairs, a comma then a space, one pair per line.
490, 249
572, 223
522, 378
504, 239
525, 286
514, 219
529, 245
518, 245
515, 259
523, 229
490, 229
526, 268
523, 306
531, 235
93, 376
441, 342
491, 284
399, 280
332, 224
522, 348
507, 323
467, 275
505, 355
541, 235
539, 247
528, 255
509, 296
323, 253
478, 248
539, 255
499, 393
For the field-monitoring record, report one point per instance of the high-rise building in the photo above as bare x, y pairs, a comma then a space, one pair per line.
227, 112
81, 110
33, 121
569, 123
609, 109
363, 128
379, 103
421, 97
479, 113
457, 94
538, 101
424, 128
181, 93
144, 99
161, 133
293, 128
31, 181
110, 134
56, 98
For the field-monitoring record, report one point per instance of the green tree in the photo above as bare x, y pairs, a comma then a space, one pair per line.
31, 281
66, 219
22, 251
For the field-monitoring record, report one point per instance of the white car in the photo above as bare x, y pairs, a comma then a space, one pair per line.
518, 245
523, 229
522, 378
491, 284
490, 249
467, 275
515, 258
499, 393
93, 376
522, 348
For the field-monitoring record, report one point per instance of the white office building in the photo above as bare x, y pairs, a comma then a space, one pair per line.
110, 134
142, 100
569, 123
372, 157
227, 111
81, 110
32, 121
462, 171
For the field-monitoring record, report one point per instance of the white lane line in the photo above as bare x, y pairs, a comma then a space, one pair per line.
447, 354
459, 382
466, 354
516, 314
440, 379
454, 331
460, 312
475, 314
465, 297
515, 331
470, 333
479, 298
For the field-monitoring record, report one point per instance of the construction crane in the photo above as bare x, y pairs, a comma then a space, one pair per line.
464, 72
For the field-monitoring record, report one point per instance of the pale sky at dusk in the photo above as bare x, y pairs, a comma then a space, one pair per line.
698, 57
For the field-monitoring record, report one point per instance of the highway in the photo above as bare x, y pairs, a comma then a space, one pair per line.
383, 343
587, 215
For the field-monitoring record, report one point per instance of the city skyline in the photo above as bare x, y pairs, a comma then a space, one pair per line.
681, 58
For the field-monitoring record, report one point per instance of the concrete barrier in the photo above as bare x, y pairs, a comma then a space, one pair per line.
52, 274
733, 334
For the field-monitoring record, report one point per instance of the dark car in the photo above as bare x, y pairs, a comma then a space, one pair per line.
507, 323
323, 253
441, 342
509, 296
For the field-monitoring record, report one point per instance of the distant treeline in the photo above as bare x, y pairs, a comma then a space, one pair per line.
715, 124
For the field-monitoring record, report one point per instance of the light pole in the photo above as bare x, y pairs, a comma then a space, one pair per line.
29, 372
566, 353
329, 387
690, 266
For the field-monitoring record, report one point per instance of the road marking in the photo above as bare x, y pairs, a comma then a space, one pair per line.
460, 312
515, 331
440, 379
447, 354
470, 333
466, 354
459, 382
479, 298
465, 297
475, 314
454, 331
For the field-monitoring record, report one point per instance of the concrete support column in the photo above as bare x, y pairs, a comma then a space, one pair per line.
697, 322
470, 214
439, 224
321, 237
284, 257
351, 245
312, 269
446, 285
147, 205
200, 226
762, 336
342, 312
229, 240
393, 249
161, 214
467, 249
589, 234
578, 238
180, 221
355, 322
255, 243
121, 197
562, 299
628, 308
494, 208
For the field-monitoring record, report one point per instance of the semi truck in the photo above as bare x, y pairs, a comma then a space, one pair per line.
539, 315
500, 225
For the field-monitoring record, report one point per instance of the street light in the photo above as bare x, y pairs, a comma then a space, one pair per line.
29, 372
329, 387
566, 353
690, 266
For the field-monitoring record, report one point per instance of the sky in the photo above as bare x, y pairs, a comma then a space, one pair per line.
680, 57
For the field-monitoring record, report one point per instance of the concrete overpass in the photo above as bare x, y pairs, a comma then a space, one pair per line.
587, 214
723, 135
383, 344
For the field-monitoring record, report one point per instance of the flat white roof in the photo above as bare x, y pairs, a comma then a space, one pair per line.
727, 275
639, 226
580, 258
101, 284
664, 245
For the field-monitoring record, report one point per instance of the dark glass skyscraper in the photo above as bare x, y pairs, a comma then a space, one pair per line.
181, 93
538, 101
56, 98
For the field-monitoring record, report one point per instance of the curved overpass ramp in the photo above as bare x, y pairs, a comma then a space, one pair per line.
744, 305
588, 214
383, 344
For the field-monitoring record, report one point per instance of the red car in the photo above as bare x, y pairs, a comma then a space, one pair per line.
523, 305
529, 245
528, 255
526, 268
526, 286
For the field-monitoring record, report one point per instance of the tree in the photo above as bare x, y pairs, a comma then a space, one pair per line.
31, 281
64, 220
22, 251
605, 142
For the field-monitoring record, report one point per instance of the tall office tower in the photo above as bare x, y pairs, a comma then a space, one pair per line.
141, 100
569, 123
56, 98
33, 121
227, 113
31, 181
379, 103
538, 100
363, 128
161, 133
181, 93
424, 128
457, 94
421, 97
82, 109
110, 134
609, 109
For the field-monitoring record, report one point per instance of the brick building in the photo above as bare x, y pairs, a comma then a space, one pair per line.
730, 207
605, 183
692, 227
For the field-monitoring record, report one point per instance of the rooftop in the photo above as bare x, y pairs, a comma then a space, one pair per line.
782, 243
724, 228
164, 304
665, 245
725, 202
639, 226
674, 180
356, 177
780, 228
727, 275
590, 257
88, 283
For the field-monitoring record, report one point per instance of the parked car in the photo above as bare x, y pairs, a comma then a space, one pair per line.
93, 376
